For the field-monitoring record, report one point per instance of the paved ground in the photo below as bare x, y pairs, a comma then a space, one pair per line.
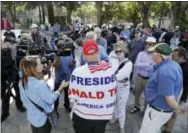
17, 122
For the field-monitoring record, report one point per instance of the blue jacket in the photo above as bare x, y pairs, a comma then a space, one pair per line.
65, 70
38, 91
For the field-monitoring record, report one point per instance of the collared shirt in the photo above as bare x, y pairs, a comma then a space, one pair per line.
103, 55
65, 70
165, 81
125, 34
144, 64
102, 42
38, 91
135, 47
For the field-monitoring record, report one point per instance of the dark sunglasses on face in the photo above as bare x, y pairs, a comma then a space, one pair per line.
118, 51
136, 32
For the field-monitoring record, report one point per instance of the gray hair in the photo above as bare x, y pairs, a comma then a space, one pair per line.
91, 36
122, 46
97, 30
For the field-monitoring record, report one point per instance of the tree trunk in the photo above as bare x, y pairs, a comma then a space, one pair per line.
161, 15
11, 13
69, 12
14, 13
50, 12
145, 10
43, 12
99, 5
40, 18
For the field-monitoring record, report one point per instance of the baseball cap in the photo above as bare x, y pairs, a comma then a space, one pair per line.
90, 47
151, 39
161, 48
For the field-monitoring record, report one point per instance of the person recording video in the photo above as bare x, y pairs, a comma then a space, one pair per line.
64, 66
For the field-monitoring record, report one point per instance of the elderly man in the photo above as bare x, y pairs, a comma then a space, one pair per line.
144, 69
103, 55
100, 40
180, 56
92, 92
162, 90
38, 37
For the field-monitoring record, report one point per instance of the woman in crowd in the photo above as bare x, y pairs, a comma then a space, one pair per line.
123, 73
35, 92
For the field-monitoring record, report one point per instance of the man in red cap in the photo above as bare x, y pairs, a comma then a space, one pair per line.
92, 92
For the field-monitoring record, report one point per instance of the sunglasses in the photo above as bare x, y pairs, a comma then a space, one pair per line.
136, 32
118, 51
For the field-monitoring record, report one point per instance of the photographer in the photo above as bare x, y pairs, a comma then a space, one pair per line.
64, 65
9, 75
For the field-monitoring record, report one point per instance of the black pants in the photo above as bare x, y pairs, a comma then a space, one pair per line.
6, 94
88, 126
46, 128
66, 97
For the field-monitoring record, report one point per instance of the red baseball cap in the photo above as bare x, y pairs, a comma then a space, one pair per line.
90, 47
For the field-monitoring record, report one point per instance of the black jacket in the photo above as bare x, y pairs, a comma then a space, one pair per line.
184, 67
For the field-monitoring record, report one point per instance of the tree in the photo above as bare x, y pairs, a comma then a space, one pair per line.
144, 7
40, 16
50, 12
87, 9
43, 12
99, 6
132, 12
159, 10
70, 6
179, 11
11, 7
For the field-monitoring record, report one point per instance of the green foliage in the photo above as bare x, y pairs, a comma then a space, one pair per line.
160, 7
87, 9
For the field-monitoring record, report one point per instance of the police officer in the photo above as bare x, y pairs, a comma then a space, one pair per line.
9, 76
64, 65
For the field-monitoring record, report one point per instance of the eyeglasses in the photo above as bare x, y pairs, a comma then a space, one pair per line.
136, 32
118, 51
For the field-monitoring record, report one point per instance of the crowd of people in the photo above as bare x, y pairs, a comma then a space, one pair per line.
114, 62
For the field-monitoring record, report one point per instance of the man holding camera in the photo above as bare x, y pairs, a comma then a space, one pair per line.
64, 65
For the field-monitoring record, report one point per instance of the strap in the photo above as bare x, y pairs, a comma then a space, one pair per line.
121, 66
37, 106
